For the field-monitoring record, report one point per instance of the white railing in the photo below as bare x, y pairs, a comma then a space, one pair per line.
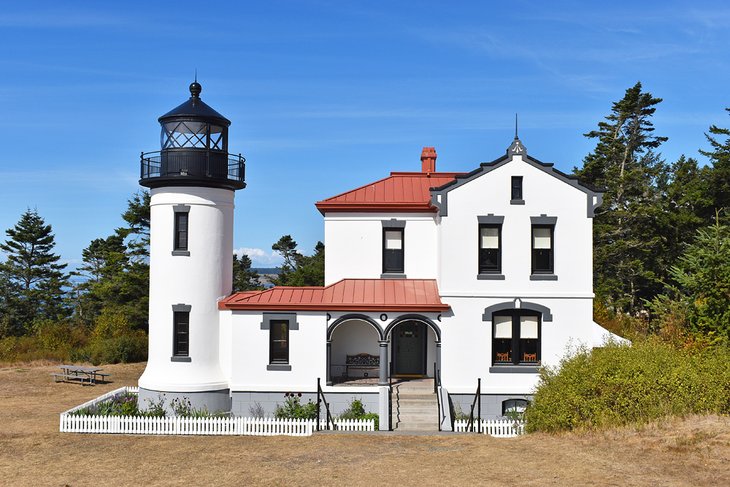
499, 428
176, 425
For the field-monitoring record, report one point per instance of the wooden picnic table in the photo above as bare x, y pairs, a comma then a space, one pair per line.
80, 373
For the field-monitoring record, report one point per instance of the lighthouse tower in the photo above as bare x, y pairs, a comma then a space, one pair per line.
192, 180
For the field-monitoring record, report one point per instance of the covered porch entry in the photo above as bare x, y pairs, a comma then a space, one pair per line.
361, 352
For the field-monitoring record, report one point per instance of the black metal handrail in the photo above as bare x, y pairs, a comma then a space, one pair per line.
196, 163
321, 399
436, 385
478, 403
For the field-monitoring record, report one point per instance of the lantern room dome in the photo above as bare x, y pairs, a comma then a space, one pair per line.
196, 108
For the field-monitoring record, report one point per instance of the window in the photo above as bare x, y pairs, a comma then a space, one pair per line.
514, 407
181, 334
279, 342
517, 191
181, 231
542, 249
490, 249
516, 338
393, 251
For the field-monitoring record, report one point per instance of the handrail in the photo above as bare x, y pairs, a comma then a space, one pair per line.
436, 385
322, 399
478, 403
192, 163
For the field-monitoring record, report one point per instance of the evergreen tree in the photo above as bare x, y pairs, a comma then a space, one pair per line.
298, 269
625, 164
719, 181
244, 278
35, 280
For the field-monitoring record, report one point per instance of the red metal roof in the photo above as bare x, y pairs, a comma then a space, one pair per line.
347, 295
401, 191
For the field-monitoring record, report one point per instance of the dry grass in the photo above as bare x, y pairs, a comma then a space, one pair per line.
33, 452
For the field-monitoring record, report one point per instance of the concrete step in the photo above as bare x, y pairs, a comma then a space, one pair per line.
417, 426
417, 397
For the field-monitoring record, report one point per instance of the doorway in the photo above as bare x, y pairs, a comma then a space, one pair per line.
410, 349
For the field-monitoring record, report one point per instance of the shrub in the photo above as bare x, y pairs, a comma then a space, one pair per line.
293, 409
356, 410
617, 385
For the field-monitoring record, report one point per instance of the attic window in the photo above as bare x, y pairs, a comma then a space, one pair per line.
516, 191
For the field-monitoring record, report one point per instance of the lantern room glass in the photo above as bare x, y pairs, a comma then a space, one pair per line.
189, 134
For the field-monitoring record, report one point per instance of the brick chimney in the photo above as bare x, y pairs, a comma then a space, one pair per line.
428, 160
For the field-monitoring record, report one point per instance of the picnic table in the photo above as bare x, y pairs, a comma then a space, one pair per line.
81, 374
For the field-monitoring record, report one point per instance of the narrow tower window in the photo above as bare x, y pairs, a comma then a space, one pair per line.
517, 191
181, 227
181, 334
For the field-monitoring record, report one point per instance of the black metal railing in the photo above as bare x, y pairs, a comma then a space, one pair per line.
436, 385
329, 423
192, 163
478, 403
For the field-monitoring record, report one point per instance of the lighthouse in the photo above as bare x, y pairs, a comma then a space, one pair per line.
192, 181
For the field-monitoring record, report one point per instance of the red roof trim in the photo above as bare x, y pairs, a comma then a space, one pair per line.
345, 295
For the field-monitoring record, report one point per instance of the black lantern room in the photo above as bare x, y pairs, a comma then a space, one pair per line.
193, 149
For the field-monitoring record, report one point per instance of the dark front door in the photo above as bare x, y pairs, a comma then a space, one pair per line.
410, 348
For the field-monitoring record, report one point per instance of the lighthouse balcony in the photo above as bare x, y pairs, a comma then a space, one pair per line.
192, 167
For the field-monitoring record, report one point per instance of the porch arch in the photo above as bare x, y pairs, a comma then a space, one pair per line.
422, 319
350, 317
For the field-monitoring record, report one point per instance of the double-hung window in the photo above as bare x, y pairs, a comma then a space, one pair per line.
542, 249
542, 244
393, 250
516, 338
490, 249
279, 342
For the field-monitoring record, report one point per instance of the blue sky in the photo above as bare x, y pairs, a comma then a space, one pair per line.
325, 96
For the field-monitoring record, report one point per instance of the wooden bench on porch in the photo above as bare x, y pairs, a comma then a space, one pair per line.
361, 361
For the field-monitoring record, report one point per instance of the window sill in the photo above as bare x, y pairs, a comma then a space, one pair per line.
543, 277
392, 275
285, 367
185, 253
516, 202
490, 277
180, 359
514, 369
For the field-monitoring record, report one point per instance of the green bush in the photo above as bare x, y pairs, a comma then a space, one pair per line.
356, 410
617, 385
294, 409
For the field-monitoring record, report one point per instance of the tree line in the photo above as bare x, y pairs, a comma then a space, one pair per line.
661, 254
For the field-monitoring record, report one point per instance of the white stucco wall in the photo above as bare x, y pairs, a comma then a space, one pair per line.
354, 243
466, 348
543, 194
197, 280
250, 357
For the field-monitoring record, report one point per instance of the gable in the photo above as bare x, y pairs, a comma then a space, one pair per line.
439, 196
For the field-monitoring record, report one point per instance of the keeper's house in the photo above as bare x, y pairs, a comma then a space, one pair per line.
453, 276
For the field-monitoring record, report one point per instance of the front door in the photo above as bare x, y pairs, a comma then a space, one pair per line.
410, 348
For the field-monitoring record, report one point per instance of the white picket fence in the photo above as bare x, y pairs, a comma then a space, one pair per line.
499, 428
143, 425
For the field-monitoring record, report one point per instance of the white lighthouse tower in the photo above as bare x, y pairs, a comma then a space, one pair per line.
192, 180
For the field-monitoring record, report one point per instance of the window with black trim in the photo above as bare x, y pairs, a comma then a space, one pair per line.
542, 249
181, 334
490, 249
514, 407
516, 188
181, 231
279, 342
516, 338
393, 251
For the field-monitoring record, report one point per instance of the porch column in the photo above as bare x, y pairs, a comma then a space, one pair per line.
383, 380
438, 362
329, 363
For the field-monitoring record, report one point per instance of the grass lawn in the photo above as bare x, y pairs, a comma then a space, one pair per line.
695, 451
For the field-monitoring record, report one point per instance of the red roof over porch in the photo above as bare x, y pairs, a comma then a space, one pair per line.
418, 295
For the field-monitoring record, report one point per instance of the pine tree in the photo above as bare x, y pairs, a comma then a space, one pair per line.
298, 269
625, 164
244, 278
35, 279
719, 182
